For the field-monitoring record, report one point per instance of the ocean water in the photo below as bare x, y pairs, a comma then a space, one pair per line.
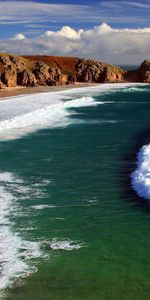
74, 194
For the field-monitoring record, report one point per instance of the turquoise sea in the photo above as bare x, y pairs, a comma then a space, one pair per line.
72, 227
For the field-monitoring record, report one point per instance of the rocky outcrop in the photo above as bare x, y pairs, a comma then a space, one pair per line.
142, 74
144, 71
9, 77
41, 72
26, 78
50, 70
96, 72
46, 75
112, 76
9, 66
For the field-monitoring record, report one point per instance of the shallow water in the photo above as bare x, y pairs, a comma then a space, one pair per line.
71, 225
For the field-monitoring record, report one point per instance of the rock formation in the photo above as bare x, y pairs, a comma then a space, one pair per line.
32, 71
144, 71
94, 71
26, 78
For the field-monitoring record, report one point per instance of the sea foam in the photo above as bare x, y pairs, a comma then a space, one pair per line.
67, 245
21, 115
16, 254
18, 116
140, 178
54, 115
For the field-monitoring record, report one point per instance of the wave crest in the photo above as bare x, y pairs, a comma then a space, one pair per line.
140, 178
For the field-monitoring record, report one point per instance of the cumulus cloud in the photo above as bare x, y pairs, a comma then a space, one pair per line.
118, 46
18, 37
65, 31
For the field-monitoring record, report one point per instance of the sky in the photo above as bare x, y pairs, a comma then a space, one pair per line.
115, 31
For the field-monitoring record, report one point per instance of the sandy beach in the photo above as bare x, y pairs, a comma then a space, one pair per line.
16, 91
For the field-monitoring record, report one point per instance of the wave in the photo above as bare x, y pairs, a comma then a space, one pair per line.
28, 113
52, 116
82, 102
67, 245
16, 254
136, 89
140, 178
19, 116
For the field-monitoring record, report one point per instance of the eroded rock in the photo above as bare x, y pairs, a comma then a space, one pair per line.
144, 71
26, 78
9, 77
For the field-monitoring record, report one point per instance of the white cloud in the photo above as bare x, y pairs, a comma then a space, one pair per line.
32, 11
65, 31
19, 37
118, 46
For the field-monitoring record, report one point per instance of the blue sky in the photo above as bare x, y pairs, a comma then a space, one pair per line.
82, 14
117, 31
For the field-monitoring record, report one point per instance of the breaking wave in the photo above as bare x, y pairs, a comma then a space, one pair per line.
140, 178
16, 254
136, 89
54, 115
19, 116
28, 113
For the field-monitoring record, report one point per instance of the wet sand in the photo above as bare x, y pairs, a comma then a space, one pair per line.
15, 91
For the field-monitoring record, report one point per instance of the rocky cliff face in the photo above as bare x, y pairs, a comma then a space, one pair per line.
49, 70
144, 71
97, 72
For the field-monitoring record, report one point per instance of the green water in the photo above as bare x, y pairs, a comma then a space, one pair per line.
88, 167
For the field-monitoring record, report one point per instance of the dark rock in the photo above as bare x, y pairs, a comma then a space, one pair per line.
144, 71
9, 77
26, 78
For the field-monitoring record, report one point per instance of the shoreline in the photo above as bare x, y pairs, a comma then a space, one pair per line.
18, 90
9, 92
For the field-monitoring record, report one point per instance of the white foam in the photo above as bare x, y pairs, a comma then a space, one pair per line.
16, 254
140, 178
67, 245
52, 116
42, 206
82, 102
9, 178
21, 115
136, 89
42, 182
18, 116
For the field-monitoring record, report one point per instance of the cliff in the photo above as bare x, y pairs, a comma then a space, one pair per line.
50, 70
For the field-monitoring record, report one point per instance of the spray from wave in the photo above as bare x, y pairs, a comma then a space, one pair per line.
140, 178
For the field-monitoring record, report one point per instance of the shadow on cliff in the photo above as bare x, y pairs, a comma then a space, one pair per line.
129, 161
